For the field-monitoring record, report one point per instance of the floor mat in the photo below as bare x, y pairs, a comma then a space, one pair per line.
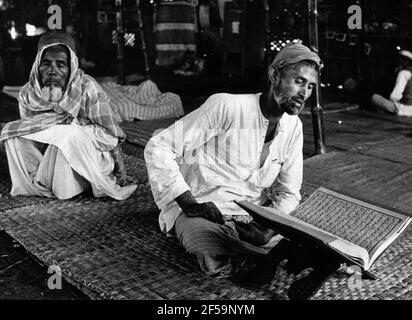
114, 249
378, 181
388, 149
346, 130
373, 179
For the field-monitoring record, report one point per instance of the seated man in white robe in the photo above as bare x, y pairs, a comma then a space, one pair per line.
230, 149
67, 140
400, 100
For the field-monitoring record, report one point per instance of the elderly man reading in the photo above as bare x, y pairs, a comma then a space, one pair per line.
232, 148
67, 139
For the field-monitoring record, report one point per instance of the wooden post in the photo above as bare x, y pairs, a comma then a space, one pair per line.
267, 35
142, 39
316, 108
120, 42
359, 45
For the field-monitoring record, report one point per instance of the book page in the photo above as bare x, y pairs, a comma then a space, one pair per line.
347, 248
230, 208
353, 220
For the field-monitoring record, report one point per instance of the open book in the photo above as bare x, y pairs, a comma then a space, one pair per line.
358, 230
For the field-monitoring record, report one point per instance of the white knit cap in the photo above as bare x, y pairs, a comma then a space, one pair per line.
406, 54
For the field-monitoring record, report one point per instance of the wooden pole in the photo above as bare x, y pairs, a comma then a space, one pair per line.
143, 42
359, 45
267, 35
120, 42
316, 108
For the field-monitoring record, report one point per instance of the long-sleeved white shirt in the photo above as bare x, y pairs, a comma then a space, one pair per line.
402, 79
215, 152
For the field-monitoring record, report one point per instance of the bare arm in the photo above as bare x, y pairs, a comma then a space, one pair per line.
119, 168
401, 81
192, 208
179, 140
185, 200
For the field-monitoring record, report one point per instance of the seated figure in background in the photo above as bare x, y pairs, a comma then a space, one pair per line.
67, 139
400, 100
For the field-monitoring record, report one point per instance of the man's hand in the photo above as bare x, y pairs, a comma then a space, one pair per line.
207, 210
254, 233
192, 208
119, 168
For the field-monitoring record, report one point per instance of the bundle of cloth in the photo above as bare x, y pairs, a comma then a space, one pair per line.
143, 102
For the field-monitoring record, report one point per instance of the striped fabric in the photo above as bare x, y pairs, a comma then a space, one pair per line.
175, 31
217, 247
144, 102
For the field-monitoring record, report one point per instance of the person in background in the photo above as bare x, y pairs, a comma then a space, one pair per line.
400, 100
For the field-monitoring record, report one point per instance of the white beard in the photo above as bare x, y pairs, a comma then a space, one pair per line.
51, 93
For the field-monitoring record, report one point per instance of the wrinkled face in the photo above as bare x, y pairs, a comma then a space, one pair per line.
295, 87
54, 67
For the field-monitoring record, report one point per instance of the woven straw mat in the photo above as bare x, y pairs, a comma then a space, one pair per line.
114, 250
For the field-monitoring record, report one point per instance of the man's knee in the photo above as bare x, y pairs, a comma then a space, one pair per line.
75, 136
75, 132
196, 234
186, 227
